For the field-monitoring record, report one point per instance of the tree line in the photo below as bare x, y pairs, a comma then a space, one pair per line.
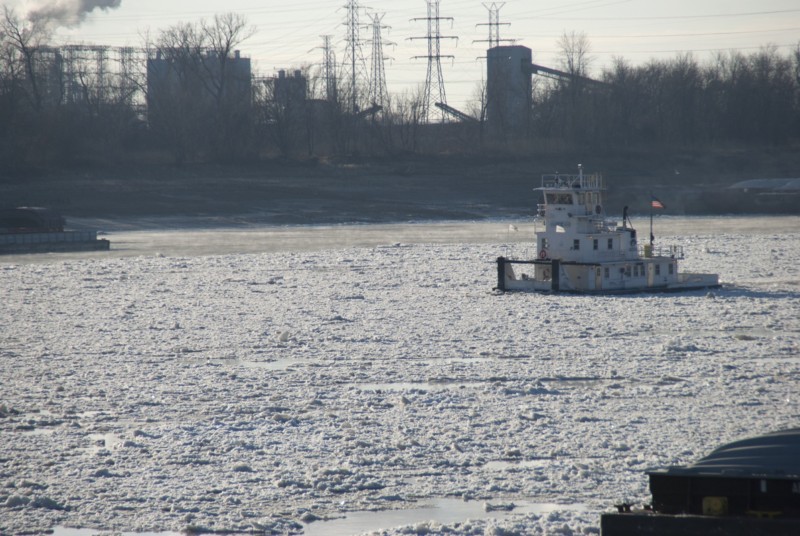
203, 113
734, 98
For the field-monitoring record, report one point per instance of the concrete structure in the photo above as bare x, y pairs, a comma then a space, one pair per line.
508, 89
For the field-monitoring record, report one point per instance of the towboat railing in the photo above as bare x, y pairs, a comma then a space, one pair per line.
673, 252
593, 181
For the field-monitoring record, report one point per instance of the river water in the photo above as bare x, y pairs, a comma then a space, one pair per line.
344, 327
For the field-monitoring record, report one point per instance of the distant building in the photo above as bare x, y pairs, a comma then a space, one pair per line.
289, 90
204, 78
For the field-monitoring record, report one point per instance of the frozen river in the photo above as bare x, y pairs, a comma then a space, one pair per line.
272, 378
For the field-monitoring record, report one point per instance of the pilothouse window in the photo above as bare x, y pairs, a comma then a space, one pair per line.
558, 199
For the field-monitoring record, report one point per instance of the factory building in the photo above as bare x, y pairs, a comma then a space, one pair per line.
206, 78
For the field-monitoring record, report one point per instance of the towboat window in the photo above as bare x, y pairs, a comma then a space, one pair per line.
671, 269
606, 273
558, 199
544, 243
610, 243
576, 244
658, 269
641, 269
595, 243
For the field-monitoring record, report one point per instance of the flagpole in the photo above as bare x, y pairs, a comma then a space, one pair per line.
651, 221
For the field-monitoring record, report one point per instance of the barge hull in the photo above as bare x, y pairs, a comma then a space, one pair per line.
51, 242
648, 524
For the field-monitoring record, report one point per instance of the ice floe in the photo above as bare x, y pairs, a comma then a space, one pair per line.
281, 391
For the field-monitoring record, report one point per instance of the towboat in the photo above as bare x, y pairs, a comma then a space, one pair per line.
582, 251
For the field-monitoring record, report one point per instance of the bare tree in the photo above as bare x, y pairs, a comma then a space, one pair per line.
477, 107
575, 101
408, 112
575, 49
21, 40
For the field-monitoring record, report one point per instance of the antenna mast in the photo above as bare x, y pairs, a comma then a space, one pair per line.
434, 81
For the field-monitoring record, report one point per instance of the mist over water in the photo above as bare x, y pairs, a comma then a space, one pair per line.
223, 236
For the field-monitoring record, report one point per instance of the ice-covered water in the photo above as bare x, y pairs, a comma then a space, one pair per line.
268, 388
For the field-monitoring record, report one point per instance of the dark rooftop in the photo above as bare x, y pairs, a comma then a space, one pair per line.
774, 455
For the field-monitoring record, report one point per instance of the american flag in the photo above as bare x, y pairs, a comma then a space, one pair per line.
655, 203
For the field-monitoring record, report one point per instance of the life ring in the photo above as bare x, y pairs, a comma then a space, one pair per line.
543, 254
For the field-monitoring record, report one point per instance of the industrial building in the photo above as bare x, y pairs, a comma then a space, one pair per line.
508, 89
207, 78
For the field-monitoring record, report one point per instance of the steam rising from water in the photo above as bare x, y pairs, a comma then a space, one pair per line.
66, 12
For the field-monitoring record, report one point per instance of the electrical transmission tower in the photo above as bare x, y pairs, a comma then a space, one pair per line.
494, 25
378, 93
329, 69
434, 81
353, 67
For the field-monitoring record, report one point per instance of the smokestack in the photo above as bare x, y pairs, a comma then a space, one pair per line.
66, 12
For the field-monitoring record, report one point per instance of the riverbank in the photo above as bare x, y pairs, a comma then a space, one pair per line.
411, 188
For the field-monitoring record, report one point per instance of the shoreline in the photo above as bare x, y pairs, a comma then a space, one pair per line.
399, 189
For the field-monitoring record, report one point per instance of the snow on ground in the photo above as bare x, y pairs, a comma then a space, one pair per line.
262, 392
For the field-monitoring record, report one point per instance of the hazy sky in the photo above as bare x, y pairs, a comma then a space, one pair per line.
288, 32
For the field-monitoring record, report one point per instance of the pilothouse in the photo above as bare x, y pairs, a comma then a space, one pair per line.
582, 251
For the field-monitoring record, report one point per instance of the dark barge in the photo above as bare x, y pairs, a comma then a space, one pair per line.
749, 487
41, 230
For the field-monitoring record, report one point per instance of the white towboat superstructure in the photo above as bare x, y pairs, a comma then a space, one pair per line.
581, 251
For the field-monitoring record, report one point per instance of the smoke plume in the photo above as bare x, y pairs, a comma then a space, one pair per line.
66, 12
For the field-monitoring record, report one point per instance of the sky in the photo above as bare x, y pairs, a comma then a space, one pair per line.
287, 33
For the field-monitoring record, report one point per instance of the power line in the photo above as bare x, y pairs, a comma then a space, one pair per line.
679, 17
